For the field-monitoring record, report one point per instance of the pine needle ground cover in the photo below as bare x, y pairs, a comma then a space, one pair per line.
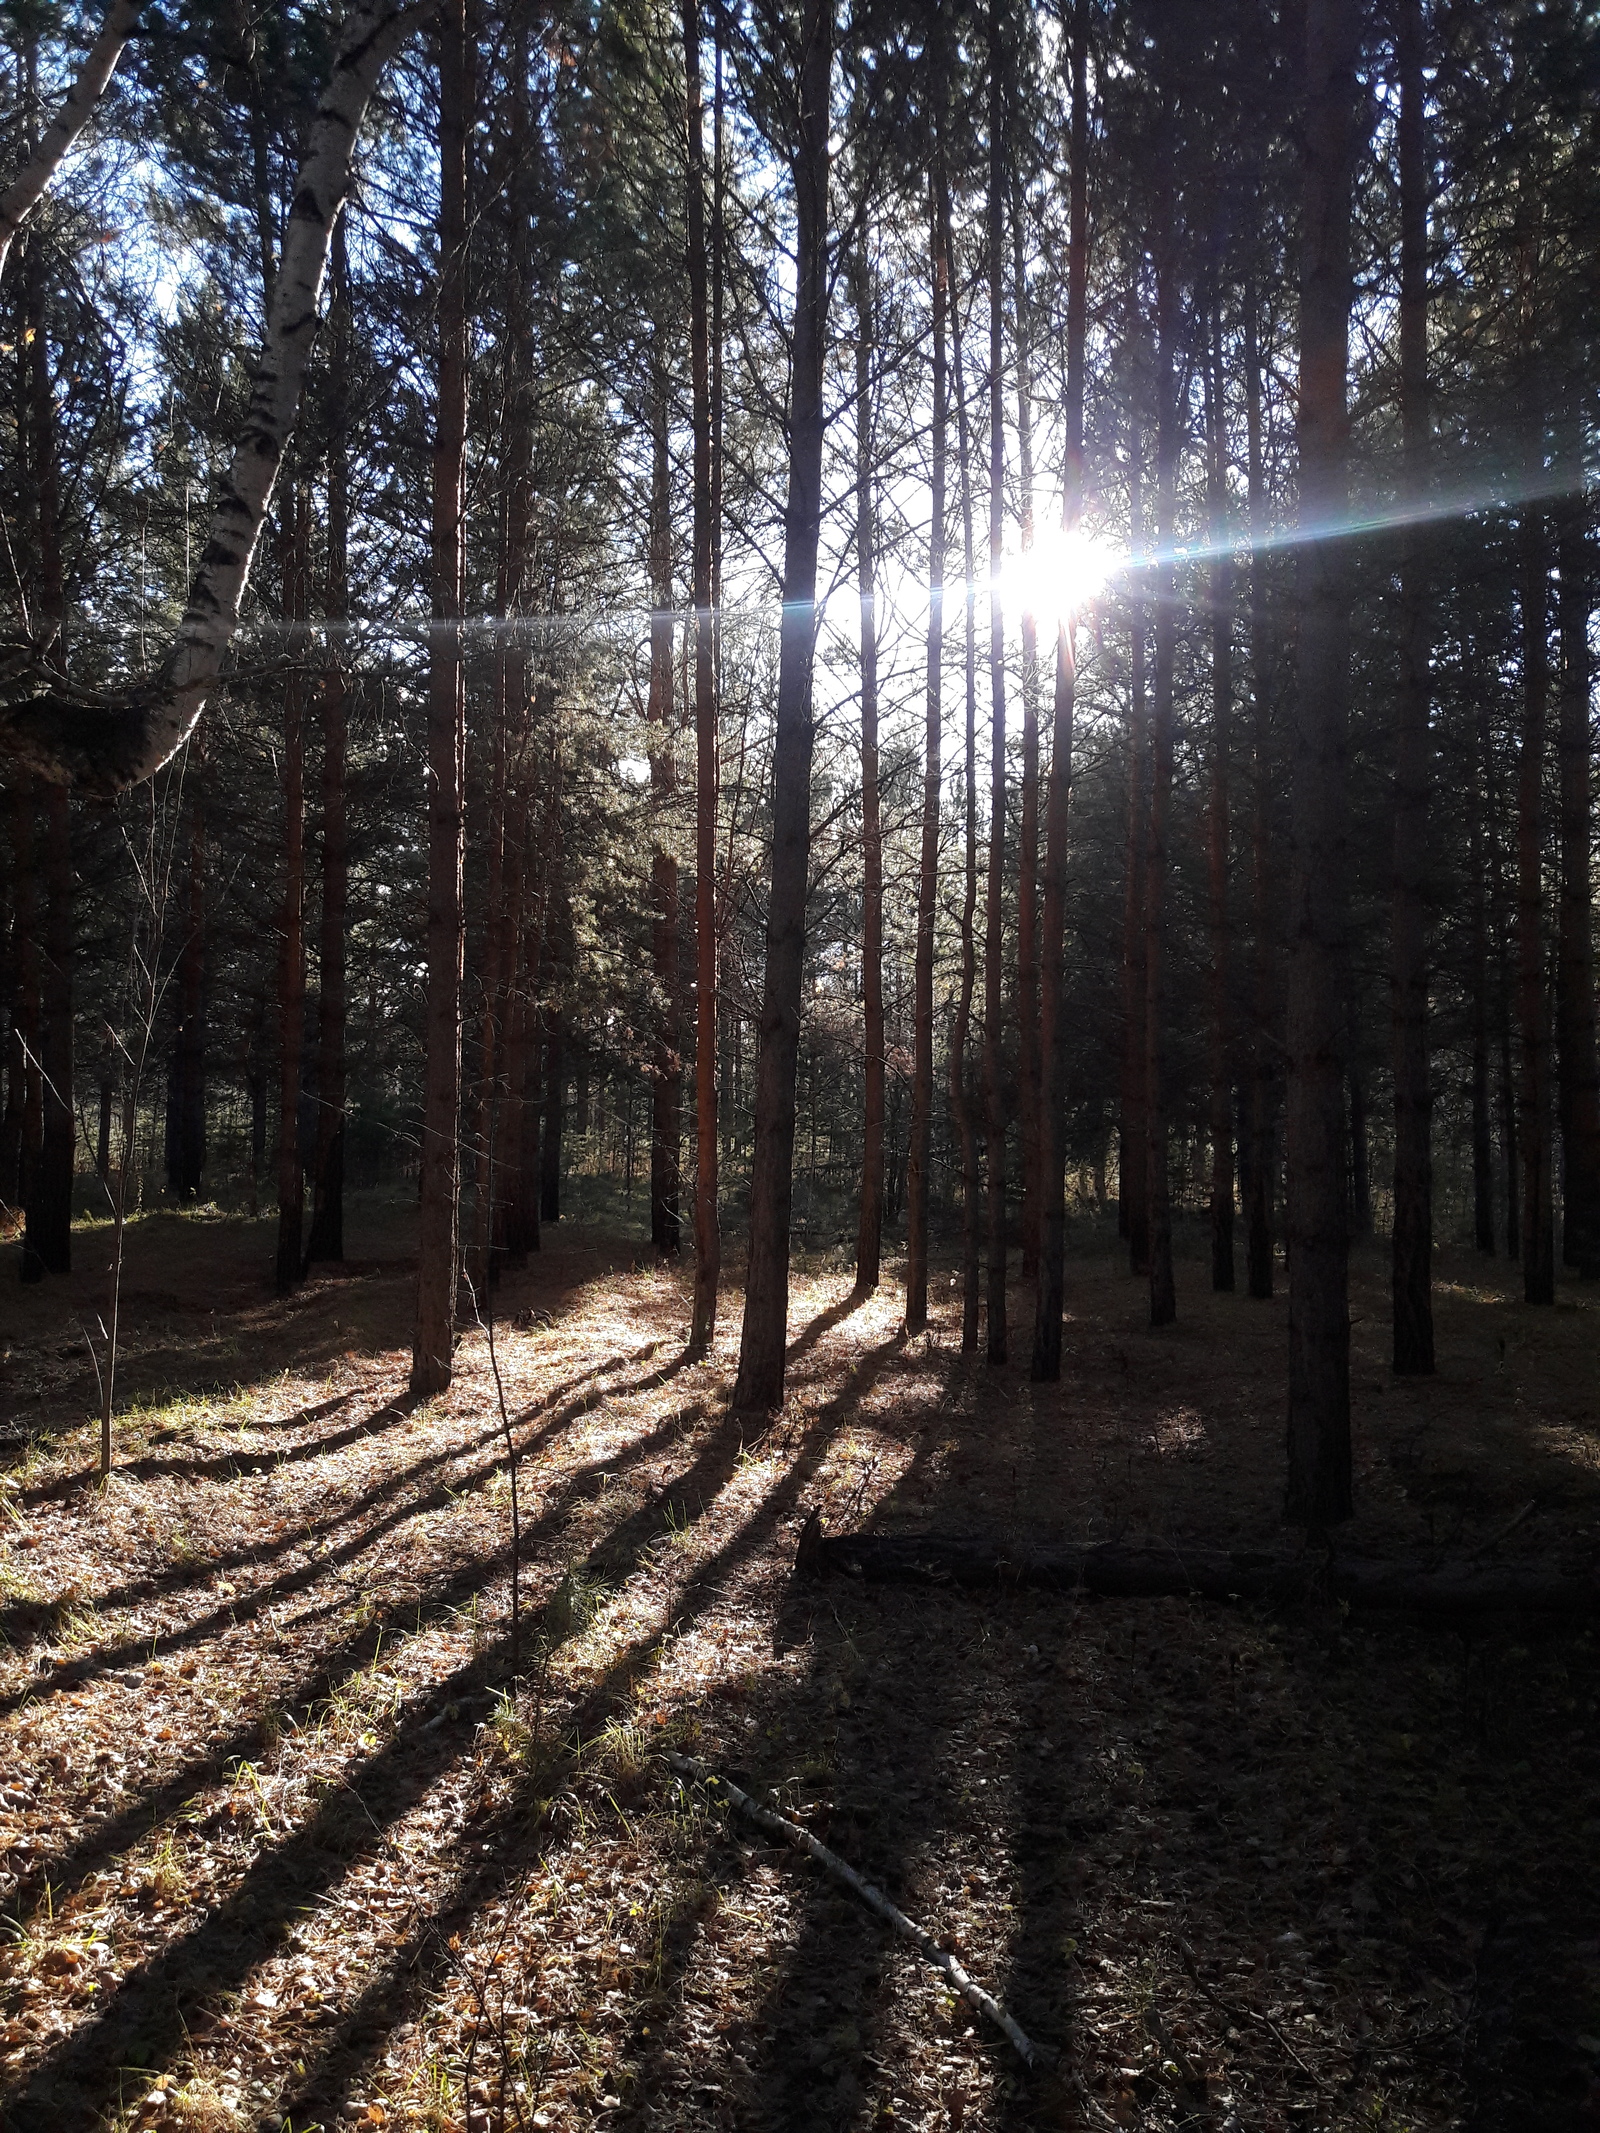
286, 1844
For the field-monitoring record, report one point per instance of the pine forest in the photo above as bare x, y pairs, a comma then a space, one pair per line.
799, 1083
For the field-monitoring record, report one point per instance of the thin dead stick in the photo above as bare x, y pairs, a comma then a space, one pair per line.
1504, 1532
1030, 2053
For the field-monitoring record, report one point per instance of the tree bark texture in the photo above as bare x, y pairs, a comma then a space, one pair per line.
994, 1089
186, 1099
433, 1337
764, 1336
1502, 923
291, 922
1050, 1289
555, 1092
1163, 1294
1217, 822
666, 1067
325, 1240
103, 745
707, 1224
1263, 1065
963, 1108
1028, 828
47, 1229
1133, 1190
26, 1083
921, 1138
1477, 861
1533, 1006
1318, 1492
869, 1228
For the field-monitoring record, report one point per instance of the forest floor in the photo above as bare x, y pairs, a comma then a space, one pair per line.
284, 1845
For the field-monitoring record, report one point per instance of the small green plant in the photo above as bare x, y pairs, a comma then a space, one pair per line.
623, 1750
578, 1597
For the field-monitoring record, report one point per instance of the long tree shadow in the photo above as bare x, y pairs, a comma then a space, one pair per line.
143, 2019
21, 1619
824, 1322
512, 1841
73, 1673
228, 1466
877, 1739
54, 1876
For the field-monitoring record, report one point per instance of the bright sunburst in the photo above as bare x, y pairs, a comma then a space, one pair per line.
1061, 575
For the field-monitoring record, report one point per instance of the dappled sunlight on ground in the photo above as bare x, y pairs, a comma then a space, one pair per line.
290, 1839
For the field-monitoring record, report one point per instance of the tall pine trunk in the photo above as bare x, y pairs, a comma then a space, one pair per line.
1533, 1007
47, 1230
325, 1240
1133, 1190
1318, 1492
26, 1100
186, 1104
438, 1227
1049, 1293
1412, 1242
1482, 1128
1163, 1294
869, 1230
1501, 923
1263, 923
291, 924
994, 1091
921, 1139
555, 1091
508, 1239
1028, 828
707, 1227
963, 1110
1217, 822
666, 1067
764, 1336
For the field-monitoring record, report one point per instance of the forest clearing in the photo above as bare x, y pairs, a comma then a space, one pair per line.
292, 1852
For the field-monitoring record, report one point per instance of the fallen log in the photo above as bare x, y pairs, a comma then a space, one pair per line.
1449, 1593
1030, 2053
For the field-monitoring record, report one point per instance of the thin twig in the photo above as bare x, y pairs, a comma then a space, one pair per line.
1030, 2053
1504, 1532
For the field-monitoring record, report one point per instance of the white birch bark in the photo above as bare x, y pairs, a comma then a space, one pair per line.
30, 184
103, 746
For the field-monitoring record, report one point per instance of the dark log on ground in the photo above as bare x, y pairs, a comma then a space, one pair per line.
1453, 1593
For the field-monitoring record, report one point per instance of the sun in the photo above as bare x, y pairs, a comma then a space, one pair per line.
1061, 575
